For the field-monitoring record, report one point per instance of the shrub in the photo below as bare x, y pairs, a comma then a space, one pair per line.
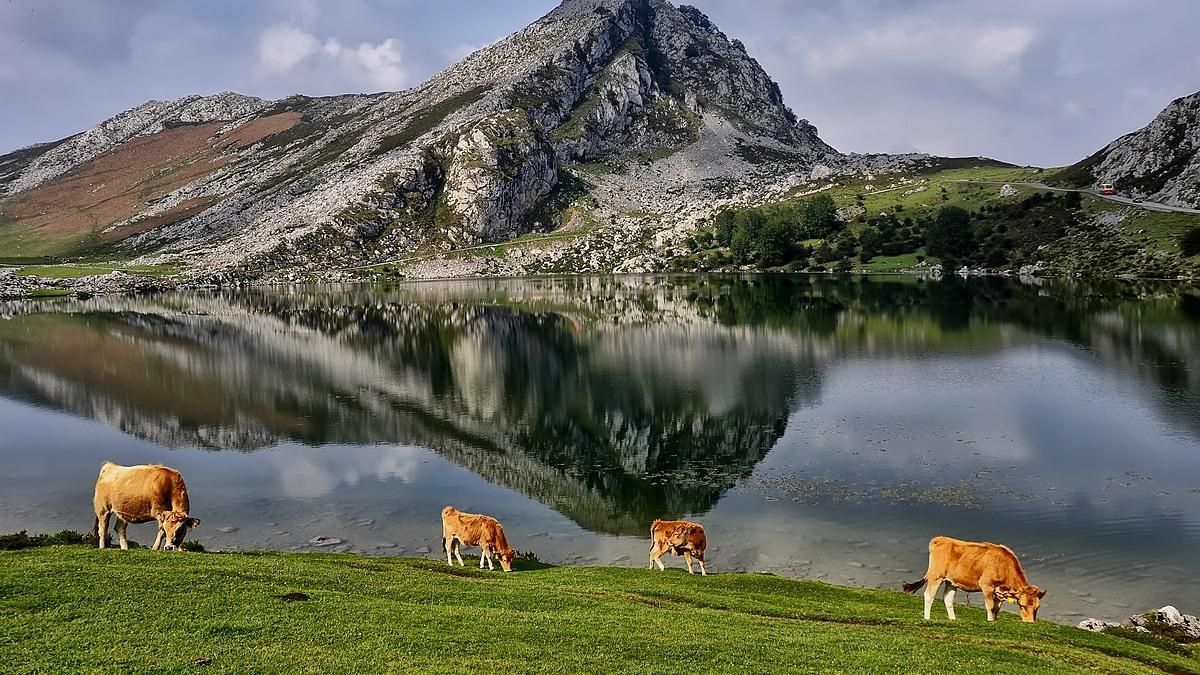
22, 539
1189, 243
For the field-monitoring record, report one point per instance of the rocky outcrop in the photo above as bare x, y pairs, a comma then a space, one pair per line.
500, 168
1160, 162
1165, 621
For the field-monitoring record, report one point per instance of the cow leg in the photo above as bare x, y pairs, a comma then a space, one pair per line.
120, 527
458, 553
102, 528
158, 539
949, 600
700, 559
447, 547
483, 555
989, 601
687, 558
931, 589
656, 555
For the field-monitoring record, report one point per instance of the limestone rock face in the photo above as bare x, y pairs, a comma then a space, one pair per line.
500, 169
1160, 162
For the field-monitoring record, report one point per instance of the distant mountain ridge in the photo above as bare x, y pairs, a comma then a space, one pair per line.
1160, 162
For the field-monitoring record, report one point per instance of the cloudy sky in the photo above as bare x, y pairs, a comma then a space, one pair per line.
1029, 81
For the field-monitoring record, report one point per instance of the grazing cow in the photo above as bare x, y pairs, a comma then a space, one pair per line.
140, 494
680, 538
475, 530
972, 566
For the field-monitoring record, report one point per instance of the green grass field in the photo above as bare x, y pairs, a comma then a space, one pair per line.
75, 271
72, 609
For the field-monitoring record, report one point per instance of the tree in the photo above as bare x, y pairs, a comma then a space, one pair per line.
872, 243
723, 228
824, 253
1189, 243
845, 245
949, 236
820, 217
774, 242
744, 244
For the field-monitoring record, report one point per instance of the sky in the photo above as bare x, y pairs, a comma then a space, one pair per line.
1041, 82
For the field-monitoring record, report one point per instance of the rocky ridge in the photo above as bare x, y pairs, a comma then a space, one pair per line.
1160, 162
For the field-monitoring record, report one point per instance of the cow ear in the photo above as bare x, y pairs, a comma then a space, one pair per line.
193, 522
1041, 594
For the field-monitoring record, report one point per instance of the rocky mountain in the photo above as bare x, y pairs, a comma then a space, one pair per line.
590, 121
1160, 162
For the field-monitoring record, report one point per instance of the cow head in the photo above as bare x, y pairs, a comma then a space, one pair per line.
1028, 599
175, 525
506, 559
679, 535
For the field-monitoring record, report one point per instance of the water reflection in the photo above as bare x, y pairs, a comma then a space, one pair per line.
888, 404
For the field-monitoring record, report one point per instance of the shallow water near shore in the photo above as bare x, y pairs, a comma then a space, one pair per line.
818, 427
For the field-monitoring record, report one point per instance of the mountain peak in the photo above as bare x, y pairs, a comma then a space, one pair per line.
677, 113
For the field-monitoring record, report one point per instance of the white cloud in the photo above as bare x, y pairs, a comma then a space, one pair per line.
285, 48
281, 48
981, 53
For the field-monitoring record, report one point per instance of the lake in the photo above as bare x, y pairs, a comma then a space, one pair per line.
819, 427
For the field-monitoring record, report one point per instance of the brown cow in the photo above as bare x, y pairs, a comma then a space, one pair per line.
140, 494
680, 538
974, 566
475, 530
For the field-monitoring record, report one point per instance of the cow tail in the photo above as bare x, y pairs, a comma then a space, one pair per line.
914, 586
96, 527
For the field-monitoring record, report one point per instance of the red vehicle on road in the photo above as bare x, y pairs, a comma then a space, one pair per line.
1107, 189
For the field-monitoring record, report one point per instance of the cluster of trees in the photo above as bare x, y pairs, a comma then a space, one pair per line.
774, 235
1001, 234
808, 233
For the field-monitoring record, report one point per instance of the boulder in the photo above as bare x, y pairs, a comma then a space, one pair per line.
1096, 625
1008, 191
1169, 615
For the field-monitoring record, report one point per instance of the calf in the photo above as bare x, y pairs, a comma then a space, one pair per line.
140, 494
475, 530
990, 568
680, 538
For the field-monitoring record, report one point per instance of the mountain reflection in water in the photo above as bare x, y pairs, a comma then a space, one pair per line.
612, 401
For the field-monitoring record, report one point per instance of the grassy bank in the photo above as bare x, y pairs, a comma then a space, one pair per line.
65, 609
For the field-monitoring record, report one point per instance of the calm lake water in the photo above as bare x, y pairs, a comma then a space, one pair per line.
819, 428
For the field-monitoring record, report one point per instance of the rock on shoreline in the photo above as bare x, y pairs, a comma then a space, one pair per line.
1166, 619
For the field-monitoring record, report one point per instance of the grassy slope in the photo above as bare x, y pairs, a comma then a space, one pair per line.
75, 271
1162, 230
69, 609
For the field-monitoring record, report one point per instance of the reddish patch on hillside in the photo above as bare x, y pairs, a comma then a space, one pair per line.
255, 130
124, 182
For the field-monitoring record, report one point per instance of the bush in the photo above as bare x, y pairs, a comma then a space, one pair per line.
22, 539
1189, 243
949, 236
